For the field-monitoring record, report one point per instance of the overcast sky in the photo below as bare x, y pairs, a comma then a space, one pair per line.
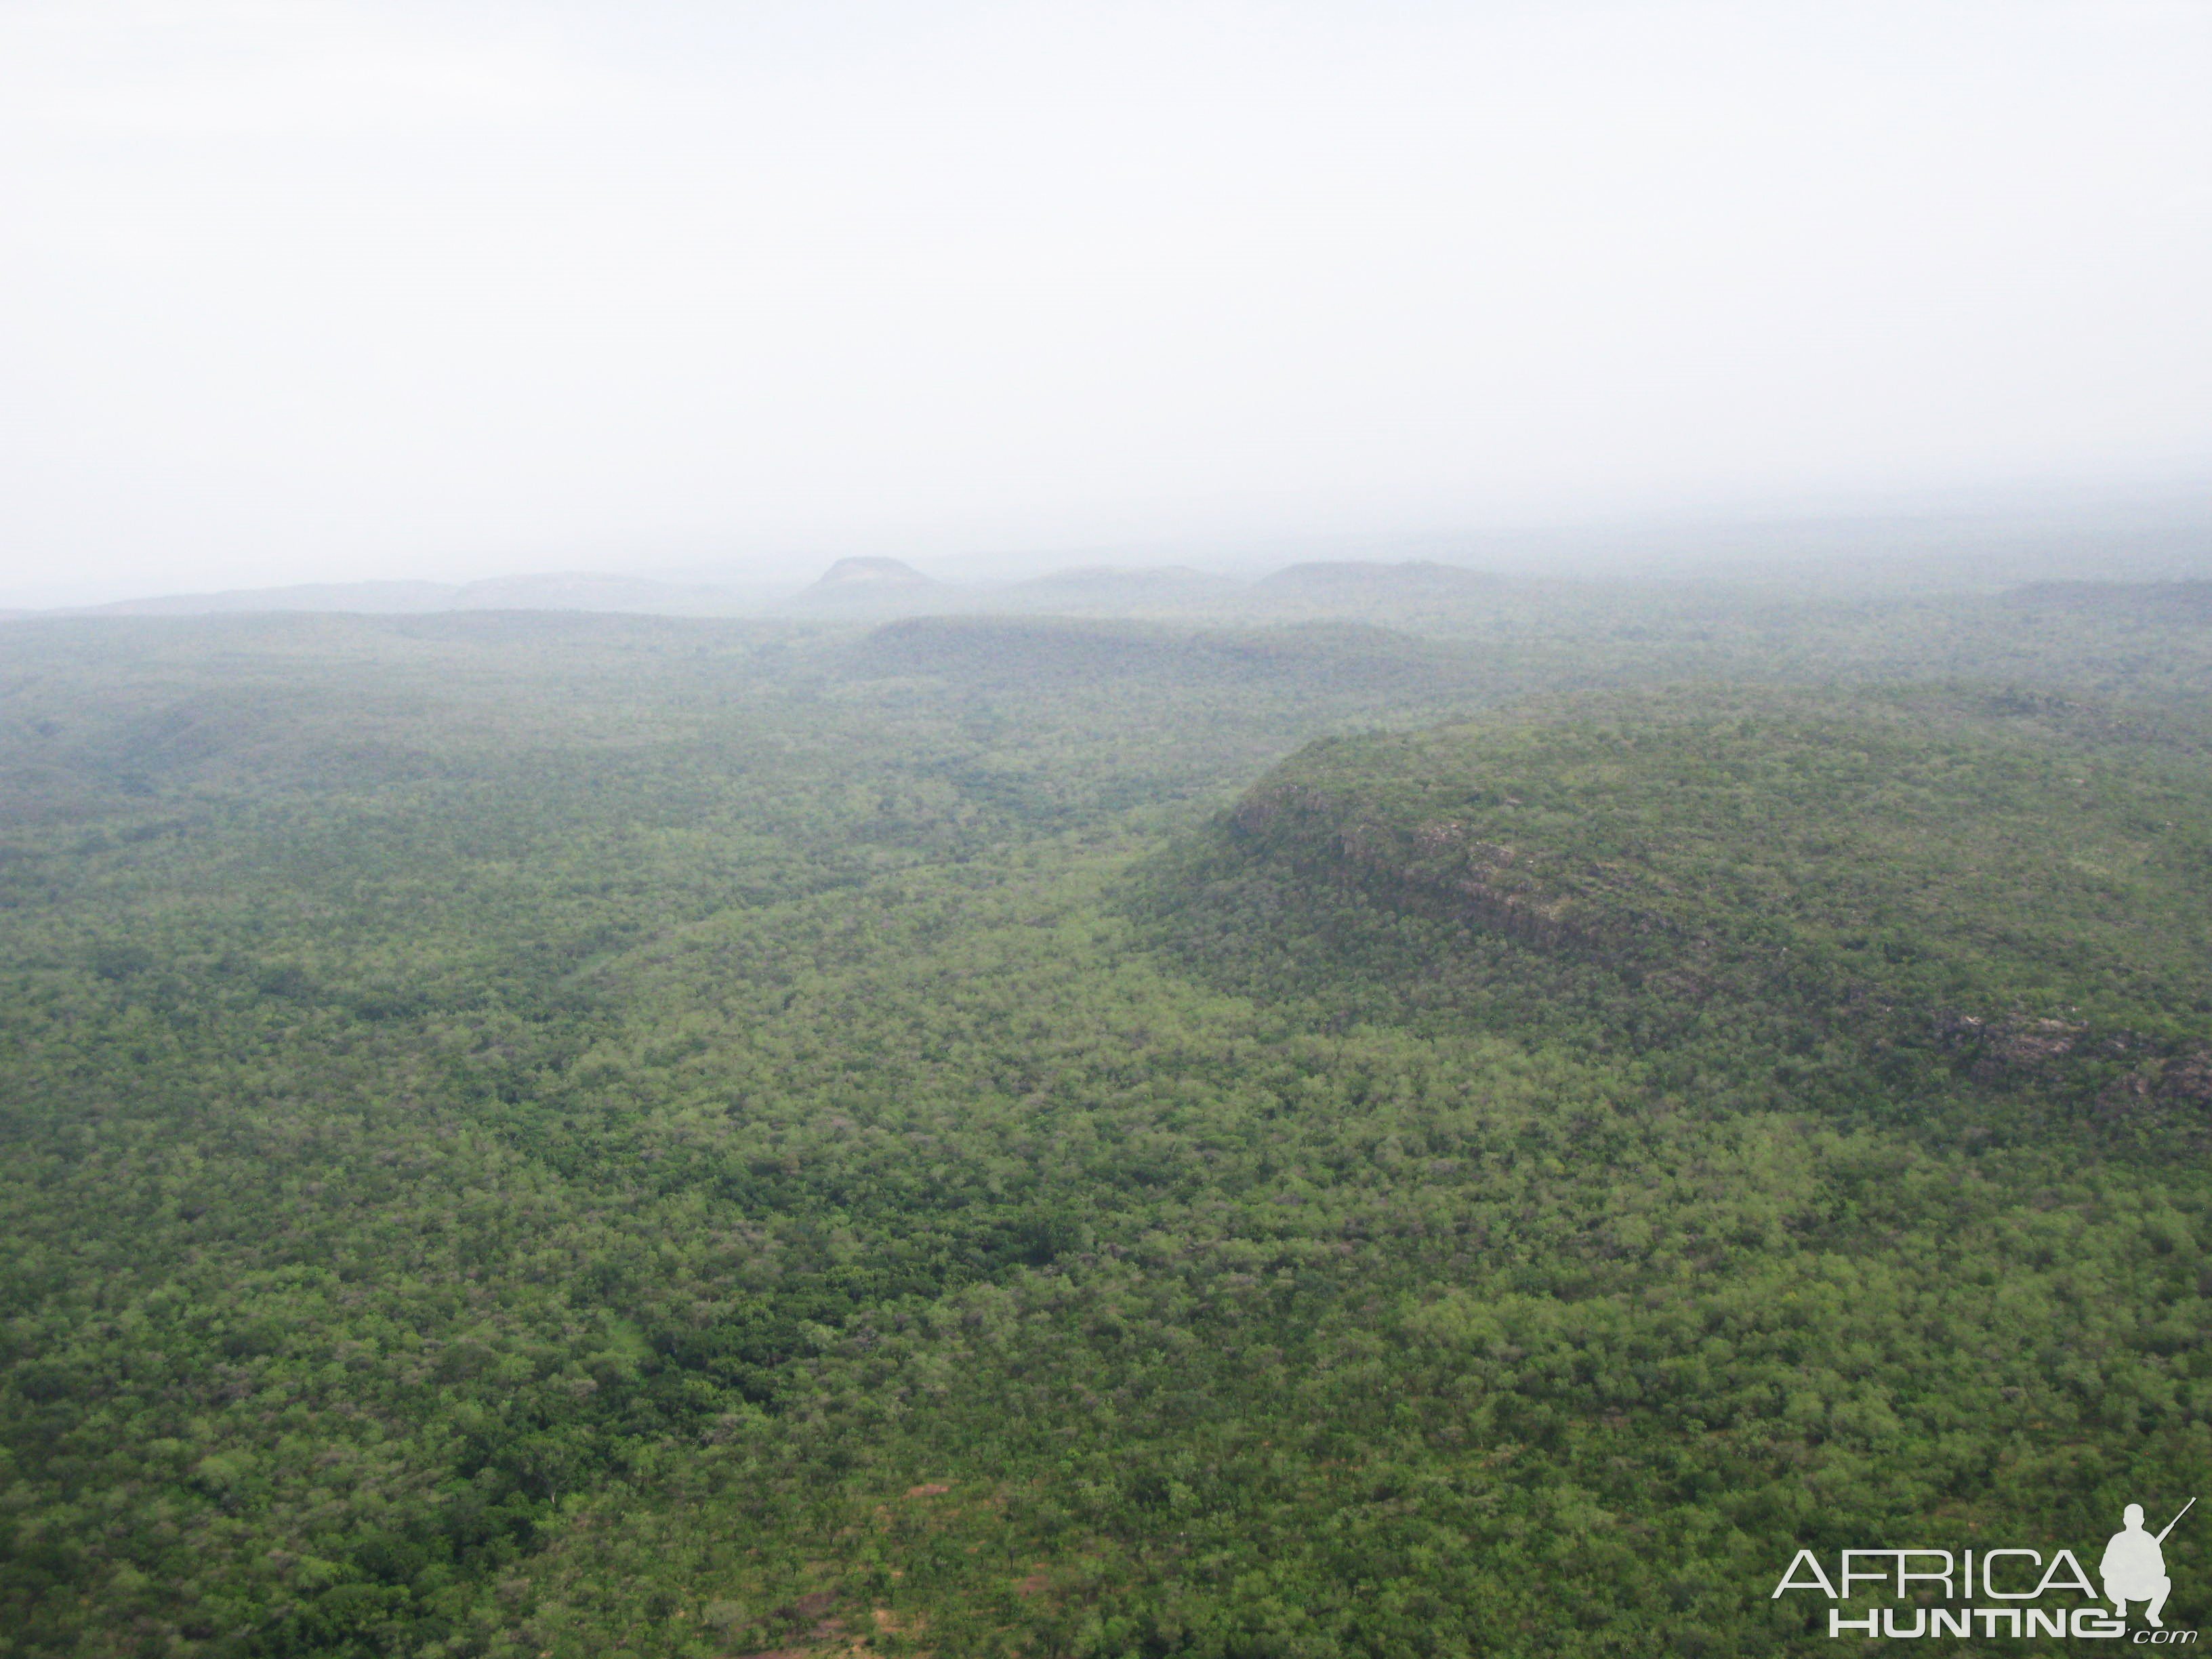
302, 290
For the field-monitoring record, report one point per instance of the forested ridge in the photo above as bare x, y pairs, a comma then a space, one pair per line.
533, 1135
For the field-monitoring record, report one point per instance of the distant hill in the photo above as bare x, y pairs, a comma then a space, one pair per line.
1349, 578
382, 597
1987, 883
872, 585
1116, 589
586, 590
2169, 601
872, 574
550, 591
1048, 651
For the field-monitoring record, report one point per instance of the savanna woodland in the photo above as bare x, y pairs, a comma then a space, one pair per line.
1408, 1123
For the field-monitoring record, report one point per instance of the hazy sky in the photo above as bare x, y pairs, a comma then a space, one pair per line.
304, 291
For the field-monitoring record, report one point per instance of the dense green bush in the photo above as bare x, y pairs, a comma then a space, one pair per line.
531, 1135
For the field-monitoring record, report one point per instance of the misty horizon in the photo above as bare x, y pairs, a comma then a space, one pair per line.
340, 294
1963, 544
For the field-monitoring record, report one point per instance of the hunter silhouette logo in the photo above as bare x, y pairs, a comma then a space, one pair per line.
2134, 1567
2006, 1592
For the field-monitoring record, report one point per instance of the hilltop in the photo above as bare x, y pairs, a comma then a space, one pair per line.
1354, 578
870, 575
1958, 883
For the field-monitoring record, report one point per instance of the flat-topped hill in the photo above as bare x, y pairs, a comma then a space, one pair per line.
2166, 602
869, 582
871, 573
1051, 649
2006, 880
1353, 578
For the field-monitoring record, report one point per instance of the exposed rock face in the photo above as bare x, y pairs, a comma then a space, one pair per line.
2188, 1078
1440, 869
2001, 1047
2182, 1081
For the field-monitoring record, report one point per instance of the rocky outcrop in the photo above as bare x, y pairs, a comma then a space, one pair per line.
1439, 867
